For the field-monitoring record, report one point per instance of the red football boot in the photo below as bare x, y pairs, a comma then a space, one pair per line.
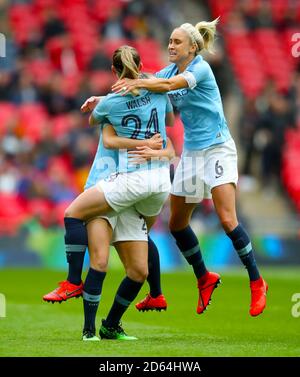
206, 286
65, 291
152, 303
259, 289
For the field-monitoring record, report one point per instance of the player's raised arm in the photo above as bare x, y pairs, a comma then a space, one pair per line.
90, 104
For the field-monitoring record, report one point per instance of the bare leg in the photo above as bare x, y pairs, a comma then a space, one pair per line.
181, 212
99, 237
224, 201
134, 256
89, 204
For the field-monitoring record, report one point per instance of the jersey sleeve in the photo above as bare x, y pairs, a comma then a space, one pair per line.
162, 74
101, 112
169, 107
195, 74
105, 124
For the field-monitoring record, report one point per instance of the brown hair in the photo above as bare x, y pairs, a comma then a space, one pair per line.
126, 60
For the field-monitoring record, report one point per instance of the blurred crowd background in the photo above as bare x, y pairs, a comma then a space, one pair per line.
58, 53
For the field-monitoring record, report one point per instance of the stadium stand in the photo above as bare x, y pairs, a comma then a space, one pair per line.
59, 54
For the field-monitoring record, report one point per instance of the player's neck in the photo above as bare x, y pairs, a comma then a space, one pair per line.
182, 65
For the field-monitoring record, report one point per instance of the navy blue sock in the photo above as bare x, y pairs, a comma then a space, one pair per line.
91, 297
242, 245
76, 241
154, 269
126, 293
189, 246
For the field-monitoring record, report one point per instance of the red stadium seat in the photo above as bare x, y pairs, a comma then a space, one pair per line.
102, 8
58, 212
54, 48
101, 81
61, 125
279, 8
33, 116
7, 113
70, 85
13, 213
110, 45
42, 210
221, 8
40, 70
23, 21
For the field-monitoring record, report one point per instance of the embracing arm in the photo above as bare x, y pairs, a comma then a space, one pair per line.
158, 85
145, 153
112, 141
168, 152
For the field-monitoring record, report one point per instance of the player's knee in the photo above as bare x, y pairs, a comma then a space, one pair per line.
228, 223
98, 261
138, 274
68, 212
176, 223
99, 264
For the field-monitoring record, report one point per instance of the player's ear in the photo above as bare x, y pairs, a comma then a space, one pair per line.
193, 48
141, 66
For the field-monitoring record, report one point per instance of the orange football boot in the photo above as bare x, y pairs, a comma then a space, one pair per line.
259, 289
64, 292
206, 286
152, 303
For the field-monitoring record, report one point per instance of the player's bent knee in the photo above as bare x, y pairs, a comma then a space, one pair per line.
177, 224
99, 264
139, 275
228, 224
68, 212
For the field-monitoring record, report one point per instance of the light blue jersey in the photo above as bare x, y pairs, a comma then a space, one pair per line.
200, 105
135, 117
104, 164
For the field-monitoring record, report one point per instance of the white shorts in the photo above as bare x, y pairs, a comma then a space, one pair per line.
146, 190
199, 172
128, 226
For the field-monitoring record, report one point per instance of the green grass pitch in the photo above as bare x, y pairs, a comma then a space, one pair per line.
35, 328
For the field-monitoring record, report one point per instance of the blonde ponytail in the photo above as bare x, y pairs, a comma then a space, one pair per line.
208, 31
126, 61
130, 69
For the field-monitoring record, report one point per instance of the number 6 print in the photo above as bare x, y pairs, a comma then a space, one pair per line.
219, 169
